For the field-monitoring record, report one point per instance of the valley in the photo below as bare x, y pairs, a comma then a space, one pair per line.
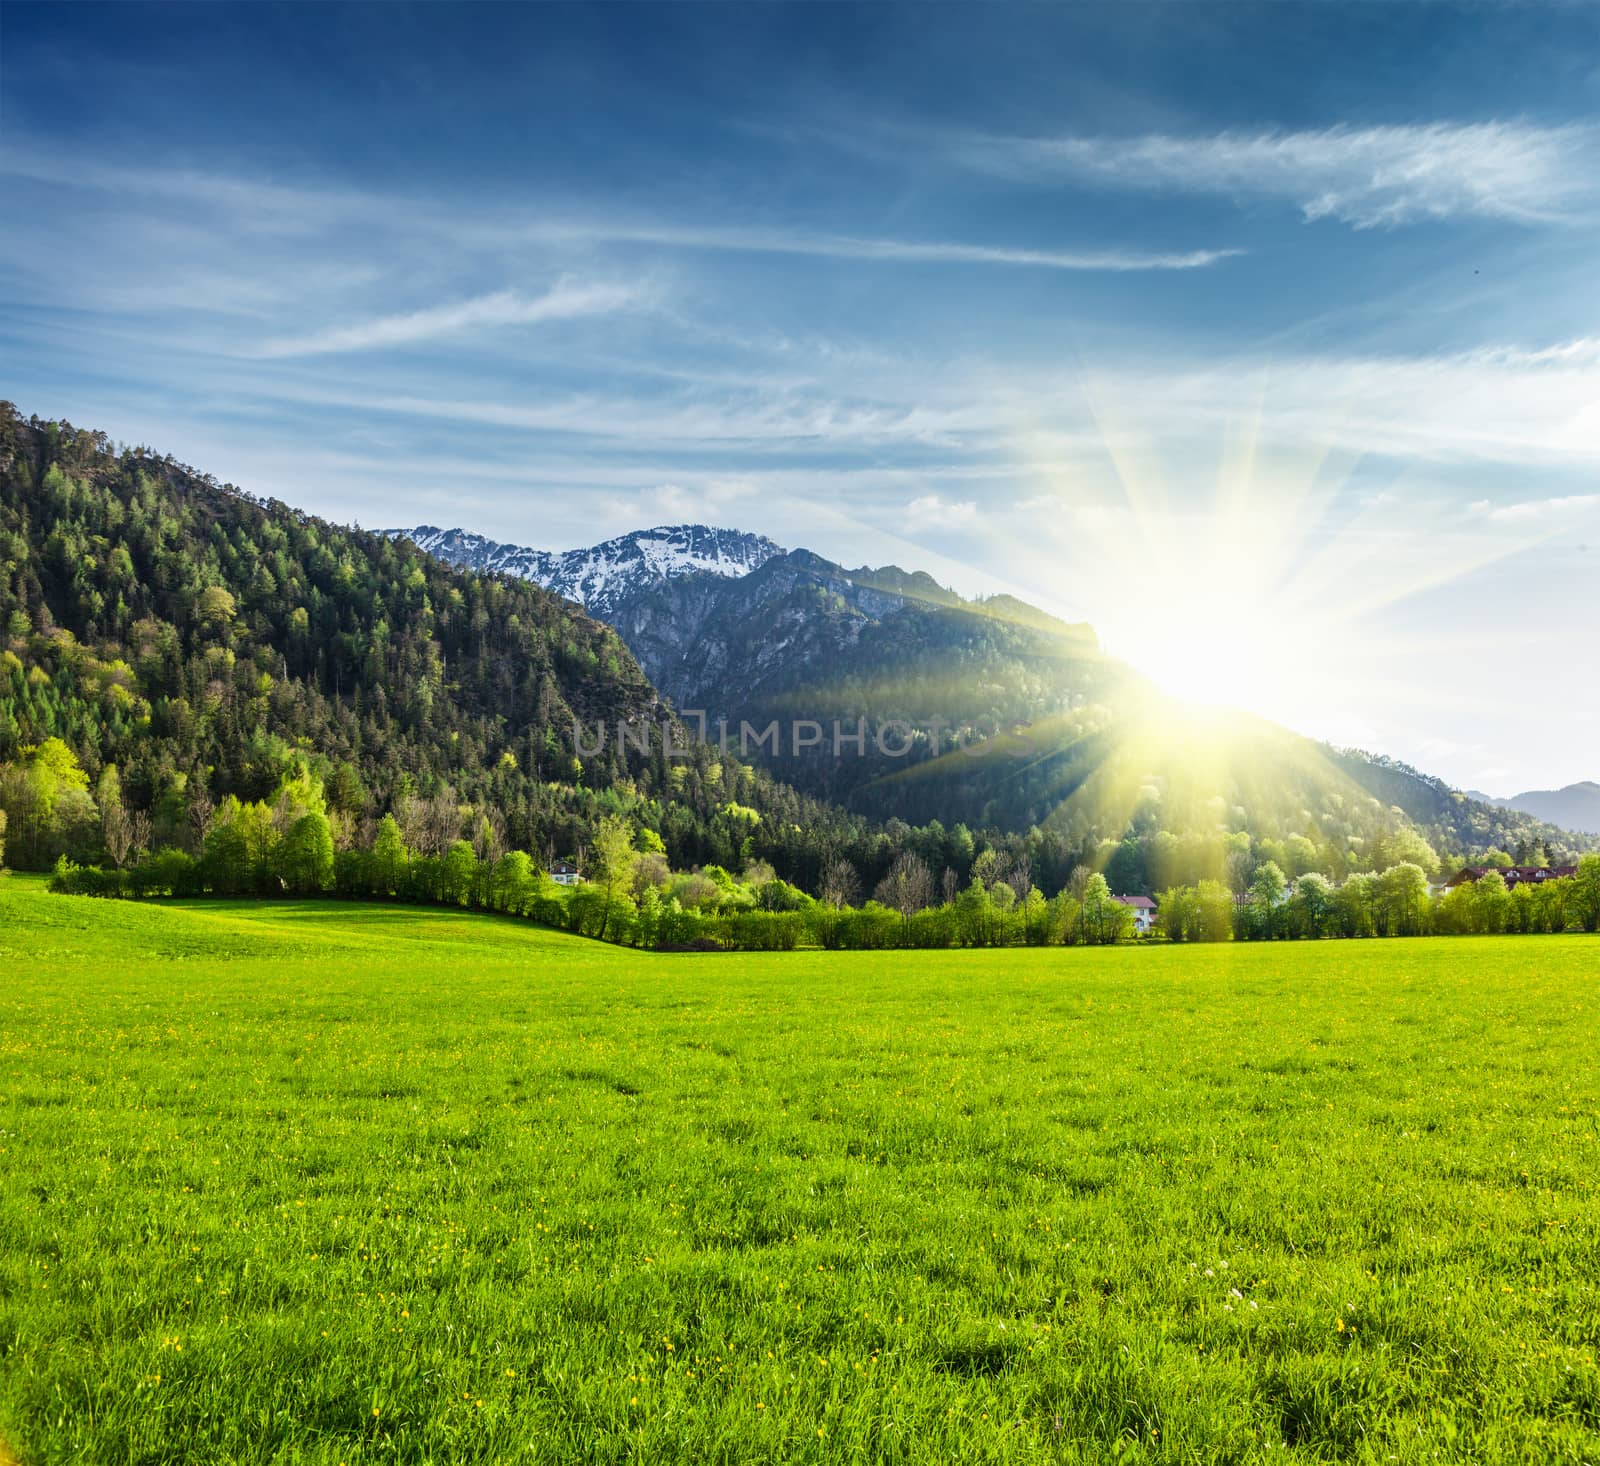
954, 821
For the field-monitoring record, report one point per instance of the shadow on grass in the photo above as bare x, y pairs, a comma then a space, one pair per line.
973, 1361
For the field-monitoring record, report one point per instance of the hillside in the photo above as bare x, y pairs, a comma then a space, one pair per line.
210, 644
1458, 823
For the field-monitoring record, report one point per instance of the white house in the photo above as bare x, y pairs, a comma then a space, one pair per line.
563, 873
1143, 909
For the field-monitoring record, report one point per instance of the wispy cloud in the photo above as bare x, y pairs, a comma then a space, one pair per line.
710, 500
268, 205
1498, 405
751, 419
1365, 176
888, 251
290, 209
566, 300
933, 511
1538, 511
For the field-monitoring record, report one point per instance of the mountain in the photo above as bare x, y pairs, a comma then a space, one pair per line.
1017, 721
601, 577
206, 643
802, 640
799, 639
209, 644
1575, 807
731, 624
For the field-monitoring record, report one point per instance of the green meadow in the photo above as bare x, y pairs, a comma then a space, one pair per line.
327, 1182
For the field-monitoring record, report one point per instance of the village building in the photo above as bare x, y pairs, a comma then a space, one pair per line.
1515, 875
1143, 909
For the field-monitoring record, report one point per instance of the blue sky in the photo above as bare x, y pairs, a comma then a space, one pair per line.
1267, 339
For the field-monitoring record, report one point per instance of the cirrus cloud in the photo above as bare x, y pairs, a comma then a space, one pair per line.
1364, 176
933, 511
566, 300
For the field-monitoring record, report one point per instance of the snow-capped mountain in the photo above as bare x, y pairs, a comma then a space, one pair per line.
601, 577
758, 638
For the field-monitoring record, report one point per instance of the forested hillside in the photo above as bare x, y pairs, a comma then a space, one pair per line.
201, 644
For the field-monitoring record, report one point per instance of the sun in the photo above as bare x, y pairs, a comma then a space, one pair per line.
1212, 617
1241, 570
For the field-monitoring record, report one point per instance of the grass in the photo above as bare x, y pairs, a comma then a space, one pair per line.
339, 1183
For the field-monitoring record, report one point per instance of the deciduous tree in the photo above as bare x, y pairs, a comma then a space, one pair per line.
1585, 899
305, 855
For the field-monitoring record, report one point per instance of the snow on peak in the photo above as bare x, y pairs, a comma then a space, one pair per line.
602, 576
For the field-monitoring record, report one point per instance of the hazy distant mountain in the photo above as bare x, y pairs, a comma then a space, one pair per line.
1576, 807
600, 577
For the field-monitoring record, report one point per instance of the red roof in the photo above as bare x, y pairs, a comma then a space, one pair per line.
1138, 903
1516, 875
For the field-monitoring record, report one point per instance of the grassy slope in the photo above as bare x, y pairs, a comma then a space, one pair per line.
335, 1183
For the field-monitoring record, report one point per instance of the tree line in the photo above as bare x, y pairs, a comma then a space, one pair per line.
1396, 902
633, 897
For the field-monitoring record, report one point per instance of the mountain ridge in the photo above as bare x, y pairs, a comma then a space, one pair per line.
1573, 806
599, 576
800, 637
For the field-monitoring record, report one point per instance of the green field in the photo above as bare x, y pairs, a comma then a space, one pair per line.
323, 1182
